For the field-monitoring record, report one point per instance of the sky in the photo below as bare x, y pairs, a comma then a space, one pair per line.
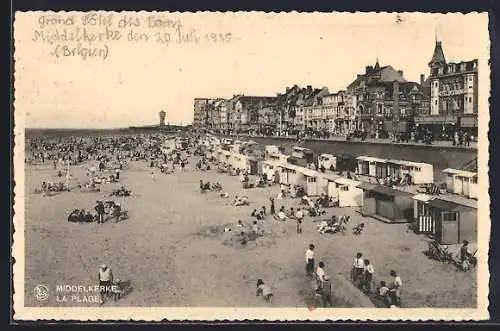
267, 52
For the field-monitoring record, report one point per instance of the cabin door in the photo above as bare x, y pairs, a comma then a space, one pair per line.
450, 230
312, 186
457, 185
284, 177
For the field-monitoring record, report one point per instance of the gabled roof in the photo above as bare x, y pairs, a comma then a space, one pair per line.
384, 74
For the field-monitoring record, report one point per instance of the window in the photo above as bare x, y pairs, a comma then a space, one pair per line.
344, 188
473, 180
435, 102
470, 99
450, 217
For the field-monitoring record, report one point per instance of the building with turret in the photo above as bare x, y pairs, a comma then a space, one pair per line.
452, 88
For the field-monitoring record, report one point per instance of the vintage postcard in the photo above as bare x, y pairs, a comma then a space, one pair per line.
251, 166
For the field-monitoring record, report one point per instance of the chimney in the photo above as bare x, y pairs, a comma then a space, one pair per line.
422, 80
309, 88
400, 72
368, 70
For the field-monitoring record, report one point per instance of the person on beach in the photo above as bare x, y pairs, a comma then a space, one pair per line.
273, 211
358, 267
310, 260
299, 216
105, 280
99, 208
326, 292
264, 290
320, 275
383, 293
367, 276
395, 289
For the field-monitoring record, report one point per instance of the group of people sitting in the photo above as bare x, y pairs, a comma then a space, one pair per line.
226, 168
240, 201
294, 191
89, 187
325, 201
206, 186
106, 179
334, 225
395, 180
259, 215
121, 192
202, 165
81, 216
53, 187
314, 207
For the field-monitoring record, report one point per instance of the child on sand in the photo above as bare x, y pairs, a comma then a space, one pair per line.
264, 290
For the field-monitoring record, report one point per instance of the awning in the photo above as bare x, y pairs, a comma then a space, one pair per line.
370, 159
309, 172
383, 190
423, 197
468, 122
436, 120
345, 181
443, 204
330, 177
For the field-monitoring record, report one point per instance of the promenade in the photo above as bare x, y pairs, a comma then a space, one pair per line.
435, 144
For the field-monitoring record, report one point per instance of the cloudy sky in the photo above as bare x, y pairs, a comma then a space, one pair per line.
267, 53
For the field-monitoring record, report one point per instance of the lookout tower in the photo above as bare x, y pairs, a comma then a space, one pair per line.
162, 115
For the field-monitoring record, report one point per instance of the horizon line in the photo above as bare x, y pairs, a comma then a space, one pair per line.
110, 128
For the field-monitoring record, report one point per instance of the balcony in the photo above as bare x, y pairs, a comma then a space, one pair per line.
436, 119
451, 93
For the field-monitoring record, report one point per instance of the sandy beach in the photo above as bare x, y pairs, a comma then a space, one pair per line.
173, 251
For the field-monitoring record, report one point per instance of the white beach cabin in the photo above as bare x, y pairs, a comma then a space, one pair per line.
372, 166
421, 173
282, 158
312, 181
461, 182
327, 161
271, 149
301, 152
347, 192
271, 168
291, 175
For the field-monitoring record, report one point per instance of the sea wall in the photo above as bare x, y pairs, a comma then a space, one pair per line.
441, 157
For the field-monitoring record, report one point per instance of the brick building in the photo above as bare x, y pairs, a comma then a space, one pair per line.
382, 102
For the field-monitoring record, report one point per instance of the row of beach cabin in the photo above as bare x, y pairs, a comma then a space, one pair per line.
445, 218
421, 173
315, 183
461, 182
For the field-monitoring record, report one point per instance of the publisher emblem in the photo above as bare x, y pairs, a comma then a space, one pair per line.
41, 293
